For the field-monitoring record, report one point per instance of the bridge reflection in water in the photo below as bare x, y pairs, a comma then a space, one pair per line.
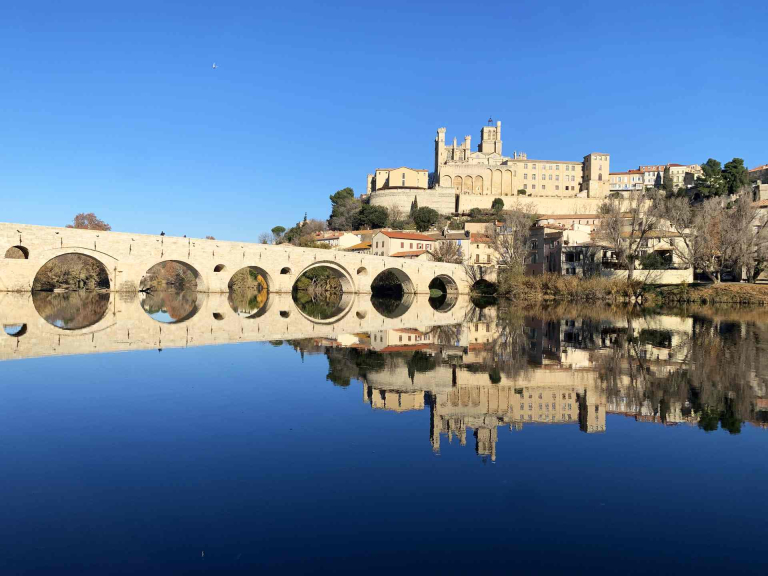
473, 369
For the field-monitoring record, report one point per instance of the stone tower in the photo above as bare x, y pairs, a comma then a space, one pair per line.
490, 139
439, 149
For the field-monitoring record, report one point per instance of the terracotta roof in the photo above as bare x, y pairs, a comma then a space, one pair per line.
328, 235
480, 238
405, 235
760, 204
361, 246
763, 167
406, 167
405, 348
408, 253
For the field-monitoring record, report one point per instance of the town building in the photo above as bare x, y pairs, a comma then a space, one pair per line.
336, 240
759, 174
652, 176
401, 244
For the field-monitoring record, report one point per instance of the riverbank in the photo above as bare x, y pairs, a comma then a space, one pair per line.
725, 293
558, 288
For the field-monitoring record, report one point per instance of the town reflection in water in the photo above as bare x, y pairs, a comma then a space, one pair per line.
473, 368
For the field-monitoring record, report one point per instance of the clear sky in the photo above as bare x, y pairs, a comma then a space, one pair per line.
115, 107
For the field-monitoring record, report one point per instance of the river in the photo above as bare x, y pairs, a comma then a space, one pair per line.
186, 433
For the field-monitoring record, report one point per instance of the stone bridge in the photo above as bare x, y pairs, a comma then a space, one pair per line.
128, 257
125, 326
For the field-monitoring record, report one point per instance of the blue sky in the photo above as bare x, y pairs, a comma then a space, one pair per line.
115, 108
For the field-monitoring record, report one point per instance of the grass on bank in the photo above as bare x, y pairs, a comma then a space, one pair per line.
556, 287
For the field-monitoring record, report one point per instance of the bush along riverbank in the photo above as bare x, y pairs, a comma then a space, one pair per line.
567, 288
555, 287
724, 293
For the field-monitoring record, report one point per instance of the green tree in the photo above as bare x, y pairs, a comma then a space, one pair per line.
711, 183
414, 206
345, 210
497, 205
475, 212
735, 175
278, 232
669, 185
372, 217
425, 218
522, 192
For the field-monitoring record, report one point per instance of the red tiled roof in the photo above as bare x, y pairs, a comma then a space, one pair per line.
405, 235
361, 246
760, 204
763, 167
408, 253
480, 238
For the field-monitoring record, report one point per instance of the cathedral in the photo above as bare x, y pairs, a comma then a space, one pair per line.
464, 179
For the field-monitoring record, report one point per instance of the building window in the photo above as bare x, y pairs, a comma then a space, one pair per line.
525, 186
418, 246
411, 245
557, 176
543, 186
557, 187
402, 244
533, 176
428, 246
533, 166
525, 166
525, 176
557, 166
488, 258
533, 186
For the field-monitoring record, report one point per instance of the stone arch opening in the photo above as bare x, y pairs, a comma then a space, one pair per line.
219, 268
172, 275
15, 330
72, 310
443, 293
71, 271
361, 314
392, 282
323, 291
218, 316
285, 270
392, 292
172, 307
17, 253
249, 291
285, 314
362, 271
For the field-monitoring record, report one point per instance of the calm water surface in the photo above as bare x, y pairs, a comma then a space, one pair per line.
178, 433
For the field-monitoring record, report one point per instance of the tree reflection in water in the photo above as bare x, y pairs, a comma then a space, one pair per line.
71, 310
247, 303
170, 307
320, 307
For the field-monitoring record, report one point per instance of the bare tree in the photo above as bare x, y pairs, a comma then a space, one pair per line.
447, 251
626, 224
89, 221
265, 238
210, 238
510, 240
745, 238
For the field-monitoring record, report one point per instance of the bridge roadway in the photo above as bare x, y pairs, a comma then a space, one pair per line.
125, 325
128, 257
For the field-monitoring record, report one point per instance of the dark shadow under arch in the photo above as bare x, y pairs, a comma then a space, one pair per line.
17, 253
15, 330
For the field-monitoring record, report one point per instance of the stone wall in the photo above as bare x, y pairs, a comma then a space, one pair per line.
441, 199
654, 276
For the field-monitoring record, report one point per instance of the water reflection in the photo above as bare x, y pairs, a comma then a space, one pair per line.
474, 368
248, 303
71, 310
558, 367
320, 307
171, 307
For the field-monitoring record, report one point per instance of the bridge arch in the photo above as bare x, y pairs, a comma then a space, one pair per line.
66, 268
17, 253
150, 276
15, 330
253, 271
404, 281
346, 279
